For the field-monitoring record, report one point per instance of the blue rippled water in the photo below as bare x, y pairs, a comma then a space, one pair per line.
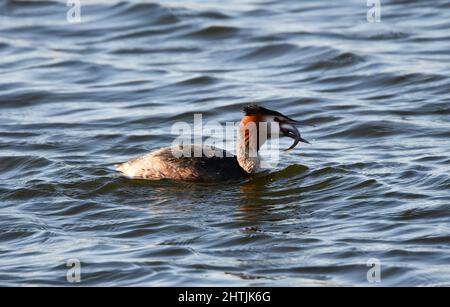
75, 99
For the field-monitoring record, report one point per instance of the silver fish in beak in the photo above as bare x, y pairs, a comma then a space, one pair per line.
289, 130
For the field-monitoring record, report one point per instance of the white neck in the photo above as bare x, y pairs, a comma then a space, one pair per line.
247, 148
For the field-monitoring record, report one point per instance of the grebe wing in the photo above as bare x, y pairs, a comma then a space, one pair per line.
184, 163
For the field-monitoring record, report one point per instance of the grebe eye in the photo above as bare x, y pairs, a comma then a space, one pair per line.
276, 119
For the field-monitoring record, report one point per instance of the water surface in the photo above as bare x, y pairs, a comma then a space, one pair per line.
75, 99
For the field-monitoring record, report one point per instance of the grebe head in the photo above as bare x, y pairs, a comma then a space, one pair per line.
257, 114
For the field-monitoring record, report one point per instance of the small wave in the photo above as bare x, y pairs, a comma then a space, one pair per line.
212, 15
373, 129
201, 80
409, 79
4, 46
337, 61
432, 158
150, 12
267, 52
389, 36
214, 32
18, 134
427, 240
149, 50
21, 166
146, 32
25, 7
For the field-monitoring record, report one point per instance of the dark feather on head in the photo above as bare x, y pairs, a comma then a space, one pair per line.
254, 109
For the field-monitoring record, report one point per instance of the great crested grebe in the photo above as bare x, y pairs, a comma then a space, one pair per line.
173, 163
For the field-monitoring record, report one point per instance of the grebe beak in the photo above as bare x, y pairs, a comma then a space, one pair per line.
291, 131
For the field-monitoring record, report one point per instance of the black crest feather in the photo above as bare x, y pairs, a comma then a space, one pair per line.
254, 109
251, 109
